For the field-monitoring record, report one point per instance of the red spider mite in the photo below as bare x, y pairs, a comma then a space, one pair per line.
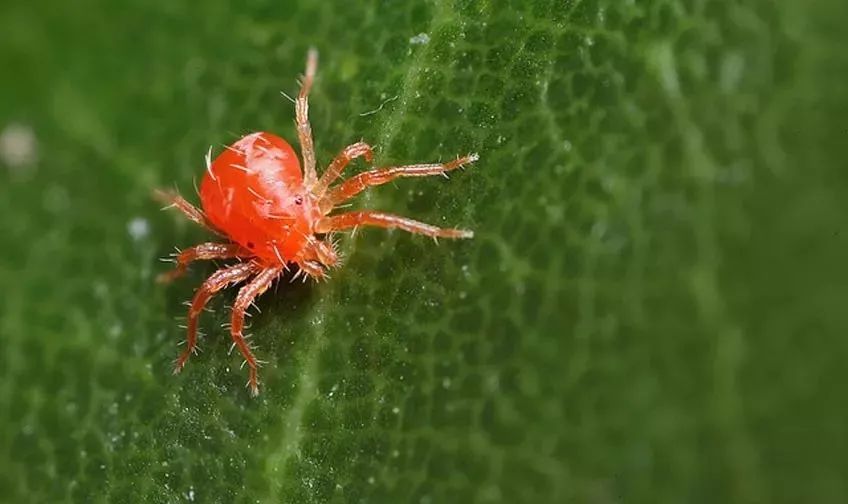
270, 215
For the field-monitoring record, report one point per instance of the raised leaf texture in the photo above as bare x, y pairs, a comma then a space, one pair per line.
653, 309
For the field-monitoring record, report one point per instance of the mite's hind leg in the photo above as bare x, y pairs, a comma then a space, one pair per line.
217, 281
304, 130
384, 220
204, 251
173, 199
264, 278
356, 184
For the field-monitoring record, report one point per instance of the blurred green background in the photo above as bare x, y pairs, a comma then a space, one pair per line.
653, 309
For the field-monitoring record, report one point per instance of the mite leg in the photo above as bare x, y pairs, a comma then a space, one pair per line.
173, 199
384, 220
245, 297
204, 251
311, 269
338, 164
217, 281
355, 185
304, 130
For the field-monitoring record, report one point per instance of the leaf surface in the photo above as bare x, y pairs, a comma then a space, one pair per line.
652, 309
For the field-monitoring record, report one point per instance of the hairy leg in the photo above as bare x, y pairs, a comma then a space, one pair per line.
173, 199
304, 130
355, 185
217, 281
245, 297
384, 220
204, 251
312, 269
338, 164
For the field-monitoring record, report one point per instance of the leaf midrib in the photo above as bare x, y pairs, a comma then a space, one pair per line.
290, 442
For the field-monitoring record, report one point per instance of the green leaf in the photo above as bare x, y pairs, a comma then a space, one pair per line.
652, 309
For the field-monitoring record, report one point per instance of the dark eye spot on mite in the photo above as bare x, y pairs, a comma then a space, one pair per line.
298, 200
250, 245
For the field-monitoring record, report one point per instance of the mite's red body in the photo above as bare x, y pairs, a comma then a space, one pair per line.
253, 192
271, 215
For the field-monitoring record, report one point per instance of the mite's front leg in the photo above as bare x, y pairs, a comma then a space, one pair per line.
338, 164
304, 130
384, 220
358, 183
